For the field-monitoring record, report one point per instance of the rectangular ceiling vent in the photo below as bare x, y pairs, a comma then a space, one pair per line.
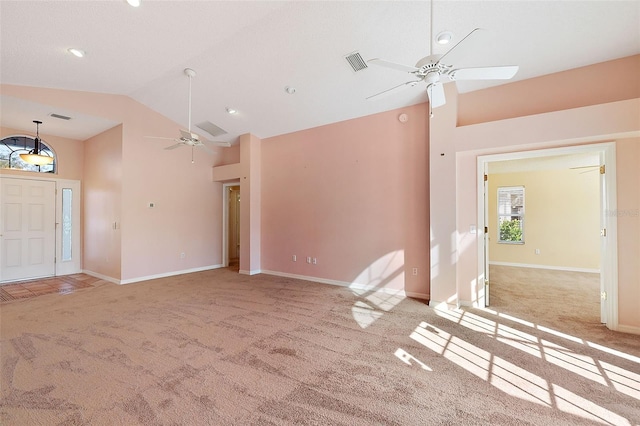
356, 61
211, 128
61, 117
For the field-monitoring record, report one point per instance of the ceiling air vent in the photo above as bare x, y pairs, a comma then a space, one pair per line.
211, 128
61, 117
356, 61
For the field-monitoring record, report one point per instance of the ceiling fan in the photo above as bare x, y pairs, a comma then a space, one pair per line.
433, 69
187, 137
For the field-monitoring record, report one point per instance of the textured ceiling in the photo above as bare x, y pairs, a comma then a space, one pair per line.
245, 53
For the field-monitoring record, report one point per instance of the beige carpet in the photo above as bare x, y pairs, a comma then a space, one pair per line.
218, 348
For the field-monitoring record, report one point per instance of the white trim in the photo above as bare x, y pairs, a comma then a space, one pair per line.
609, 251
151, 277
415, 295
352, 285
628, 329
225, 222
553, 268
102, 277
254, 272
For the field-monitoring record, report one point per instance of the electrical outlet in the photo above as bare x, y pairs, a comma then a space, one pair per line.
308, 259
183, 255
294, 258
537, 251
315, 261
415, 271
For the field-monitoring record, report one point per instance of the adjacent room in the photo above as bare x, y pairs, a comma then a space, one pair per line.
310, 212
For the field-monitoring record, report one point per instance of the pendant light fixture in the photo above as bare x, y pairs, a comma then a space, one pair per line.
34, 157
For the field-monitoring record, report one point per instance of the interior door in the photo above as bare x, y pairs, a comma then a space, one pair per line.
27, 229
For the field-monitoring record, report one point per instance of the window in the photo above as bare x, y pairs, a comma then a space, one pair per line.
11, 147
67, 225
511, 215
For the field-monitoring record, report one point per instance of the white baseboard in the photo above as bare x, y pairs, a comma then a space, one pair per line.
415, 295
102, 277
628, 329
352, 286
254, 272
149, 277
553, 268
170, 274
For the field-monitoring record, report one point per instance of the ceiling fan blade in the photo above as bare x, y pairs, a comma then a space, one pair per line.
392, 65
485, 73
206, 148
469, 37
174, 146
436, 95
394, 89
217, 143
159, 137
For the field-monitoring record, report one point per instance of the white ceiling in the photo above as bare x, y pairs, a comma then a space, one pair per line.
246, 52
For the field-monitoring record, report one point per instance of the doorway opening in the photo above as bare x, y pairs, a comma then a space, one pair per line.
231, 225
598, 276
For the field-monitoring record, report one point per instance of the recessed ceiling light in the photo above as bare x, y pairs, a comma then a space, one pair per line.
290, 90
232, 110
444, 37
76, 52
134, 3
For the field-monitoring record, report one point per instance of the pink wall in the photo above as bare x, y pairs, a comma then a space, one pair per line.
604, 121
251, 201
69, 153
187, 217
353, 195
591, 85
628, 186
101, 200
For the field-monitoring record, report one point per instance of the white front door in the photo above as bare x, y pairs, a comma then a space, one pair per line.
27, 229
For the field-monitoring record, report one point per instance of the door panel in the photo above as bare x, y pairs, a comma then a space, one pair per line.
27, 224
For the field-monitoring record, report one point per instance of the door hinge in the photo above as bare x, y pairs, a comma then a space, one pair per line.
486, 229
486, 178
603, 232
603, 295
602, 169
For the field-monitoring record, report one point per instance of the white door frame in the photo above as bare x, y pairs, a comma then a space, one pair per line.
225, 221
75, 264
608, 243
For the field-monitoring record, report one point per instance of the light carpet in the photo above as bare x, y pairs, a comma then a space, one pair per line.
219, 348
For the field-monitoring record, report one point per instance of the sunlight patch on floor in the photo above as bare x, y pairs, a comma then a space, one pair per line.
555, 354
381, 286
510, 378
409, 359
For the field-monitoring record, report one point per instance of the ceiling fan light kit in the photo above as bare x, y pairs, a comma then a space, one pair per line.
432, 70
34, 157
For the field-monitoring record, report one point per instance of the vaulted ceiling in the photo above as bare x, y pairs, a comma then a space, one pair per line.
246, 52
